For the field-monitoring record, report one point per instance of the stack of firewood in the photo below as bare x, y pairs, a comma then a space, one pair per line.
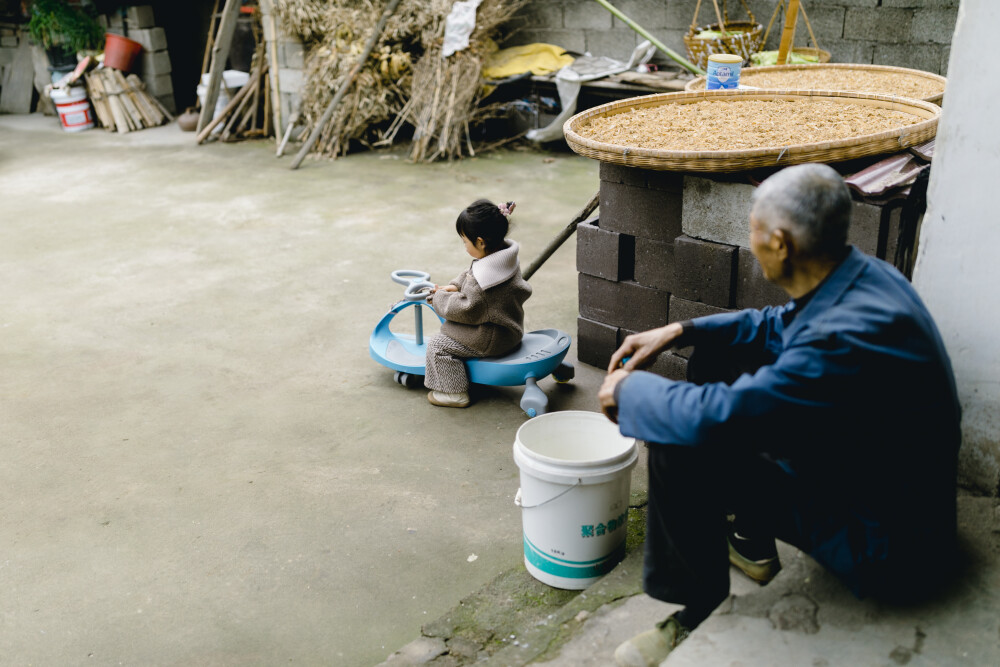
122, 103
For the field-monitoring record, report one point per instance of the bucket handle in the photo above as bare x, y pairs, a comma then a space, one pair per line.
517, 497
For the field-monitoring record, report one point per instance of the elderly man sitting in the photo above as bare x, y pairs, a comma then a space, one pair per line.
831, 423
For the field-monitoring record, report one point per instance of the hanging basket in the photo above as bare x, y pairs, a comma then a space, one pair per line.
742, 38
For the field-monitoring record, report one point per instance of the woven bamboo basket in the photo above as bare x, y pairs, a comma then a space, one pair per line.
746, 41
747, 76
890, 141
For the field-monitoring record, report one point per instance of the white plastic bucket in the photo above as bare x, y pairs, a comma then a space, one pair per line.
232, 80
75, 113
575, 482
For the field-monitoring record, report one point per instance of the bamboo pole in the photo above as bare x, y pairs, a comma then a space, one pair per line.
673, 55
788, 34
345, 85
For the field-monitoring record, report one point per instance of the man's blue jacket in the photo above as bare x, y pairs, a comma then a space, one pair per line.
856, 400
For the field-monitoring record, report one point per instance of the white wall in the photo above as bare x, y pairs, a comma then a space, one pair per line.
958, 264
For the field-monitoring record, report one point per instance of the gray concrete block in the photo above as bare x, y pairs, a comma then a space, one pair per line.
651, 214
704, 271
617, 43
292, 54
672, 39
753, 290
827, 23
587, 15
684, 309
860, 3
290, 80
654, 264
647, 13
115, 21
853, 51
669, 364
715, 210
934, 25
678, 15
595, 342
667, 181
542, 14
168, 103
154, 63
622, 304
927, 57
921, 4
571, 40
9, 41
160, 84
884, 25
152, 39
604, 254
140, 16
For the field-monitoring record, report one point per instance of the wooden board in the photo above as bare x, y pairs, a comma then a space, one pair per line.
18, 82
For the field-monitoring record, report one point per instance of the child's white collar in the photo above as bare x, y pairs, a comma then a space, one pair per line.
496, 267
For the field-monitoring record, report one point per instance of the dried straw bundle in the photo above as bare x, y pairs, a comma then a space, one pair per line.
405, 80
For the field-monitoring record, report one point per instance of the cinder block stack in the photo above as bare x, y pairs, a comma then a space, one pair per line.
154, 64
286, 55
670, 247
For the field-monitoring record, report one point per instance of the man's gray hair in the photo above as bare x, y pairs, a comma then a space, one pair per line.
811, 202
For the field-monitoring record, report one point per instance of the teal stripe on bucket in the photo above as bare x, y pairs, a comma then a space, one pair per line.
572, 569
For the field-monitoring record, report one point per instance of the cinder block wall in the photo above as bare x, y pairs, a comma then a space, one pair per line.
906, 33
670, 247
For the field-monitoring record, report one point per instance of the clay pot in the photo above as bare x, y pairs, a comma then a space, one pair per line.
188, 120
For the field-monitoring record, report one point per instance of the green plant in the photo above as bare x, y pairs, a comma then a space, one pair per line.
54, 23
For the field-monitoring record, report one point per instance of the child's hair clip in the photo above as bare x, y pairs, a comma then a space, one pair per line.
507, 208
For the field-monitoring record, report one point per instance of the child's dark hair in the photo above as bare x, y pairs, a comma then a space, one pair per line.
484, 219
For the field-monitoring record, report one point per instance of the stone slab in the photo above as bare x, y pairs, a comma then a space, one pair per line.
154, 63
140, 16
654, 264
595, 342
704, 271
160, 84
716, 210
640, 211
152, 39
653, 179
753, 290
622, 304
604, 254
683, 309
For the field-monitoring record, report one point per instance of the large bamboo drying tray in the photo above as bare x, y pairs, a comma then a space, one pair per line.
748, 74
890, 141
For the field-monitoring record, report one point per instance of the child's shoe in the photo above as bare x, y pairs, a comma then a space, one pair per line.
459, 400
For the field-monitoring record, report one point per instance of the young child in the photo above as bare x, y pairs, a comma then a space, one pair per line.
482, 307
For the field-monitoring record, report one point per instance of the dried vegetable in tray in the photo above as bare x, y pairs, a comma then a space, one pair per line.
889, 81
742, 124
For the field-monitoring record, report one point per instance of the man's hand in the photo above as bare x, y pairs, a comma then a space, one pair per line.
644, 347
606, 395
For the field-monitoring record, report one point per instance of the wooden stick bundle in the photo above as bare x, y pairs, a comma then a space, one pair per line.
122, 103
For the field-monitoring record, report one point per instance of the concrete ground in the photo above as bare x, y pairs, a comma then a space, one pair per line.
201, 464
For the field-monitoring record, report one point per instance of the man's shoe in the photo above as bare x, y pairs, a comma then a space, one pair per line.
459, 400
652, 647
756, 559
